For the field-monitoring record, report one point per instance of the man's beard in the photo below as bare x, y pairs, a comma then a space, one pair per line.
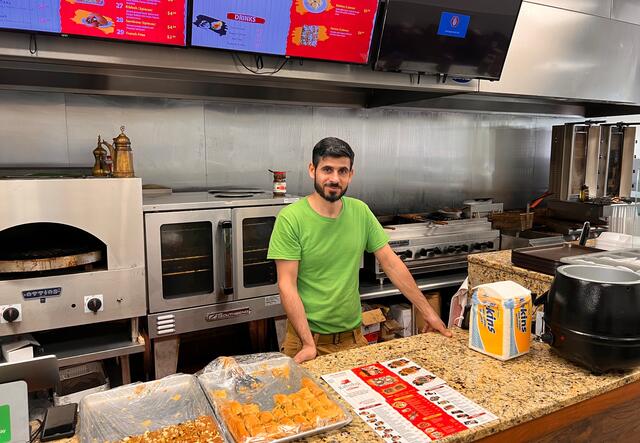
325, 193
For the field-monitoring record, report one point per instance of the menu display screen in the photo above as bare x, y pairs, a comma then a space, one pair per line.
319, 29
150, 21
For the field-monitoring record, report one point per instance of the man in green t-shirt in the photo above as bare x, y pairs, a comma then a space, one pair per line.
317, 244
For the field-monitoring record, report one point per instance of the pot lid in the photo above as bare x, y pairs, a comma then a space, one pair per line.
600, 274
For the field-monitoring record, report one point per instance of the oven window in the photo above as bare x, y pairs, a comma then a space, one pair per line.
257, 270
187, 259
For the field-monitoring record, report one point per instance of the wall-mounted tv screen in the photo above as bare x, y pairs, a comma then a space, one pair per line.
462, 38
317, 29
149, 21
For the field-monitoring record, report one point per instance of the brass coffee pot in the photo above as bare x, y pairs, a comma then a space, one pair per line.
121, 155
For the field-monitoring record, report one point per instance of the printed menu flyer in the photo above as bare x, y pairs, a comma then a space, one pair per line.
404, 402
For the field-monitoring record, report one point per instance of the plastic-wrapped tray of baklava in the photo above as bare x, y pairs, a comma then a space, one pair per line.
263, 398
172, 409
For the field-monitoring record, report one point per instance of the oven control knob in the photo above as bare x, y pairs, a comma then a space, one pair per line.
10, 314
465, 248
475, 246
490, 244
451, 249
423, 252
437, 251
406, 254
94, 304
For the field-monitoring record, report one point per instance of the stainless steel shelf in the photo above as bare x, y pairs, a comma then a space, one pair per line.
374, 290
75, 352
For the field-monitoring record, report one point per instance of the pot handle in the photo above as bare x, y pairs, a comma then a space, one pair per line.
541, 299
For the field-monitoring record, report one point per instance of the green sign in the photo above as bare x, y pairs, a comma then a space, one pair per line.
5, 423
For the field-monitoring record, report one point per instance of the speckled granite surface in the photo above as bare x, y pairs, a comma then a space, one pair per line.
518, 390
490, 267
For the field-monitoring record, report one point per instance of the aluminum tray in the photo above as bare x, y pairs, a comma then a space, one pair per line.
622, 258
139, 407
216, 377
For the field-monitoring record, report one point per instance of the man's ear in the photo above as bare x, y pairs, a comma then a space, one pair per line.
312, 170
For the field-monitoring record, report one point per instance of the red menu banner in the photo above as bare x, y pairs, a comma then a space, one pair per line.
331, 29
403, 402
152, 21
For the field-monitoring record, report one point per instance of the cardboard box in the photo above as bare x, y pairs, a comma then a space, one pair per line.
371, 321
18, 347
402, 314
389, 330
434, 300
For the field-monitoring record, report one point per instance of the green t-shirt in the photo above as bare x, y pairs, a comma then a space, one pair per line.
329, 251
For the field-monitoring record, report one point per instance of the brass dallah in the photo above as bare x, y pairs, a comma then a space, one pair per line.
122, 155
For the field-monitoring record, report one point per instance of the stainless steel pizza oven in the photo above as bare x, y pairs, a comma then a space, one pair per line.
71, 253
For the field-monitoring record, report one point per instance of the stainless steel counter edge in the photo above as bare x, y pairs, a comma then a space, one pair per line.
373, 290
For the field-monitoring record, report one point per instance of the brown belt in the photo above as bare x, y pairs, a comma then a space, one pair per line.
337, 338
327, 339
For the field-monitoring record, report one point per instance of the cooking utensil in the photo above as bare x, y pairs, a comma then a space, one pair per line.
537, 201
591, 316
584, 235
243, 381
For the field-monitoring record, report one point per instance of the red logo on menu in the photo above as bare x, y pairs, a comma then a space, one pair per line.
455, 20
244, 18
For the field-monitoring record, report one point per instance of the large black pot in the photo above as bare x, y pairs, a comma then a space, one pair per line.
592, 316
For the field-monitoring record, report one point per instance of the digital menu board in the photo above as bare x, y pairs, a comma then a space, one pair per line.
338, 30
149, 21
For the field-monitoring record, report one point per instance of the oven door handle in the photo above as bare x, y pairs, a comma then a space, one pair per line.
226, 226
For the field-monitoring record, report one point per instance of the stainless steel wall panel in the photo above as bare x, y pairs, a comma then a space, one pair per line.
560, 53
167, 136
406, 160
593, 7
244, 141
33, 130
626, 11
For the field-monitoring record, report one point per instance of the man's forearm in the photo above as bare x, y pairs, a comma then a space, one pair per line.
295, 313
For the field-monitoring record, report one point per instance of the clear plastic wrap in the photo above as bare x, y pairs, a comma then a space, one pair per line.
268, 398
134, 409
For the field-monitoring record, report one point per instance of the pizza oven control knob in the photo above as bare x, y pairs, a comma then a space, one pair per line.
423, 252
94, 304
490, 244
10, 314
451, 249
437, 251
465, 248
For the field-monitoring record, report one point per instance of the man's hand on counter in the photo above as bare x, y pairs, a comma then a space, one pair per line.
400, 276
433, 323
308, 352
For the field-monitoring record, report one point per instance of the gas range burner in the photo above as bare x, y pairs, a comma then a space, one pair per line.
433, 246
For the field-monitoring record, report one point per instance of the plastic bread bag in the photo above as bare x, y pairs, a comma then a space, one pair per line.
139, 408
268, 397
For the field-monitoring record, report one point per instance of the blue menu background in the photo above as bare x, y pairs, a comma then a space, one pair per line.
30, 15
267, 38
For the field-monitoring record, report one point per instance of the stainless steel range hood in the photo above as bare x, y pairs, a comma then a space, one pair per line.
560, 62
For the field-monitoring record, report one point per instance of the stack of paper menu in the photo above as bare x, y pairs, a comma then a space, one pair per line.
404, 402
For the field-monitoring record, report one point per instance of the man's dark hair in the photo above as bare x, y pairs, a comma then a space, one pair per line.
332, 147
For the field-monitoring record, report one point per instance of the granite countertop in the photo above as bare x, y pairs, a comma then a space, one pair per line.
519, 390
502, 260
495, 266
